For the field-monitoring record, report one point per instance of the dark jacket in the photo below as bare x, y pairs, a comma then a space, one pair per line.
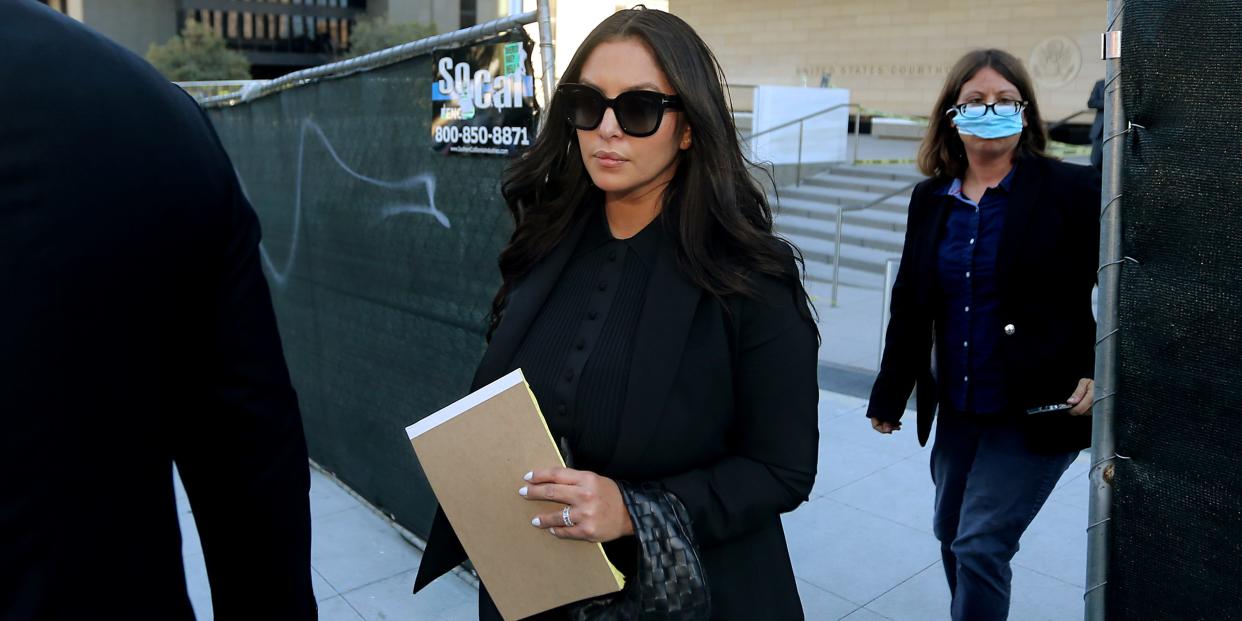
136, 331
1046, 266
1096, 102
721, 410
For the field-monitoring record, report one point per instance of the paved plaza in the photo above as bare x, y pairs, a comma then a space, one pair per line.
862, 547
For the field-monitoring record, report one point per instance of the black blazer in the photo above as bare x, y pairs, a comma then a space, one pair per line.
136, 332
1047, 264
1096, 102
721, 410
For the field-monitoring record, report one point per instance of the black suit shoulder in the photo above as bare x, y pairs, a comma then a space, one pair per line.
116, 130
1079, 176
921, 200
1074, 189
927, 185
120, 108
147, 308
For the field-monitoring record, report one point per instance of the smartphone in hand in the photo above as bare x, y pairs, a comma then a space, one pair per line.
1055, 408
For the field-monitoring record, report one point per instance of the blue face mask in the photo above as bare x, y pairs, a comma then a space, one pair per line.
990, 125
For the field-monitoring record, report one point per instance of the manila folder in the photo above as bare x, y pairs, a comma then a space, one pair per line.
474, 453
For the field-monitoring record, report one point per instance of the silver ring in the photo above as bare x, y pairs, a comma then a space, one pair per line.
565, 517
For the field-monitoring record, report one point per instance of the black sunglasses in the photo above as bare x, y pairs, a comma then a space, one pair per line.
638, 112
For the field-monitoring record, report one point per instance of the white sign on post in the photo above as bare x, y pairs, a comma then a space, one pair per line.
824, 137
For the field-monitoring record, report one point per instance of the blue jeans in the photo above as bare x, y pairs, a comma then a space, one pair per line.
989, 486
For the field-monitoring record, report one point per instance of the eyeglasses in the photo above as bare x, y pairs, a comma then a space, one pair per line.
638, 112
1003, 107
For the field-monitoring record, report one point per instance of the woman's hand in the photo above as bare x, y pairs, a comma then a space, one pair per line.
1082, 397
884, 426
596, 508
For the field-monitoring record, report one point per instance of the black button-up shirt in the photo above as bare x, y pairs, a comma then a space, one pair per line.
968, 328
576, 354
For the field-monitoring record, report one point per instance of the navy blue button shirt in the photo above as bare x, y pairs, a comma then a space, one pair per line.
968, 326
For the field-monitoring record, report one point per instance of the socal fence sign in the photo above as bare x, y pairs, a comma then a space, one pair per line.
483, 98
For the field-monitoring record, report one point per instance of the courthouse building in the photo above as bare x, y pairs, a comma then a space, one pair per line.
894, 55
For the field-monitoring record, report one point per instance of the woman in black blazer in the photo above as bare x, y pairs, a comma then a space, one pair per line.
662, 325
999, 261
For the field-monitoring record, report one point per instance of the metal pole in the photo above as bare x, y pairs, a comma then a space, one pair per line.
836, 255
799, 178
886, 300
1103, 441
374, 60
546, 50
857, 134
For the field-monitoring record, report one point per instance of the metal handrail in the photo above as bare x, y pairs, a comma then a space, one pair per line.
886, 302
1066, 120
800, 122
841, 209
803, 119
383, 57
205, 89
194, 83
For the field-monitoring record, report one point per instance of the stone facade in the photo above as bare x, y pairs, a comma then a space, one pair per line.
894, 54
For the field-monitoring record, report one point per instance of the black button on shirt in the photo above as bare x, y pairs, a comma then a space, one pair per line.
971, 373
577, 351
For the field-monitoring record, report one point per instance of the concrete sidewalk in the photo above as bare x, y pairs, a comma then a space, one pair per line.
851, 330
862, 547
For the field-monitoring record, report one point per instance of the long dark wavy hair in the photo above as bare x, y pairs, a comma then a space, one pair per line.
714, 209
942, 153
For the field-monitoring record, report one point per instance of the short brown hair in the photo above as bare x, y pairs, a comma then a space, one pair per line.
942, 153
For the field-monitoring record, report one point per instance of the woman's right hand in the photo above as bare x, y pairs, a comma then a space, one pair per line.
884, 426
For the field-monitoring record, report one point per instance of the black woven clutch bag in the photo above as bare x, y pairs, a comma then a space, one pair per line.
670, 584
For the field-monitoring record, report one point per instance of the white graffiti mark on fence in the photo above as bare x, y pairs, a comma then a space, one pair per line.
426, 181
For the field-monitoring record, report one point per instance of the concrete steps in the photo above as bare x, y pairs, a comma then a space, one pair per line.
862, 236
849, 198
856, 258
822, 272
745, 123
806, 216
874, 218
859, 183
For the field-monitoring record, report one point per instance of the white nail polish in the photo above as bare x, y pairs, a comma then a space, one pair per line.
528, 476
535, 522
522, 492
